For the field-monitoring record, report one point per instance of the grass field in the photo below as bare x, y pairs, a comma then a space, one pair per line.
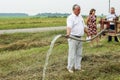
30, 22
22, 57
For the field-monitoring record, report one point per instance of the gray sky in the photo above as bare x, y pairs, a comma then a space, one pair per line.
33, 7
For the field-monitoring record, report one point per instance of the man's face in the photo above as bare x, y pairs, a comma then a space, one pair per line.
112, 10
77, 11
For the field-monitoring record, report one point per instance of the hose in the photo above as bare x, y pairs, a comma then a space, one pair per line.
79, 39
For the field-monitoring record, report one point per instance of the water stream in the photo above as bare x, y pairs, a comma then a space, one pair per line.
52, 45
48, 54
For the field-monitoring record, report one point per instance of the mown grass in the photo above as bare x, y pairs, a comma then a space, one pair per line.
26, 62
18, 41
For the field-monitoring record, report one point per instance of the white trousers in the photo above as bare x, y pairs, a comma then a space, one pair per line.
74, 54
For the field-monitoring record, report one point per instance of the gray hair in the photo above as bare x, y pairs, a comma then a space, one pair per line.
112, 8
75, 6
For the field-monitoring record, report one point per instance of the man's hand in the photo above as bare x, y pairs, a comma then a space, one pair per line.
66, 36
68, 32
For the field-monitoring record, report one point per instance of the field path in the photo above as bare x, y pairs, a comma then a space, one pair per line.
32, 30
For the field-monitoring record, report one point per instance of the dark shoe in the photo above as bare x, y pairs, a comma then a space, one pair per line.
116, 39
109, 38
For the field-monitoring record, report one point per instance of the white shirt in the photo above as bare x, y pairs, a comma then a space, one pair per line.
110, 17
77, 25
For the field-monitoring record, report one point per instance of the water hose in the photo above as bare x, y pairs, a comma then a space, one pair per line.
53, 42
79, 39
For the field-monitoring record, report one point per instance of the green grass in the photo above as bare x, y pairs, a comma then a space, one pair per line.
30, 22
26, 62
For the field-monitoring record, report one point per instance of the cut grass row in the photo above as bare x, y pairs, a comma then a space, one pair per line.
18, 41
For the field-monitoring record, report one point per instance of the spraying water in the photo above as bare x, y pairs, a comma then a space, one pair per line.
49, 53
52, 45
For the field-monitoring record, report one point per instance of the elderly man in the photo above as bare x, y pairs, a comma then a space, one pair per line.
111, 17
76, 28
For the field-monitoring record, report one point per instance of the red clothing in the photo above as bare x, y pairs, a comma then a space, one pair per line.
92, 27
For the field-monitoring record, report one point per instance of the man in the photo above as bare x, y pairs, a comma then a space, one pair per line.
111, 17
75, 27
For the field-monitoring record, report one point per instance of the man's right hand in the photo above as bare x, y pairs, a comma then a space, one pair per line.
66, 36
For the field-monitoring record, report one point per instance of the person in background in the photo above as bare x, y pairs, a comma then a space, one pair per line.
112, 15
75, 27
92, 26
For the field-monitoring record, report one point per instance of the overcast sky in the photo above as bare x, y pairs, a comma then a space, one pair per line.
33, 7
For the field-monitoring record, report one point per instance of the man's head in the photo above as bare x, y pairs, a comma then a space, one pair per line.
76, 9
112, 10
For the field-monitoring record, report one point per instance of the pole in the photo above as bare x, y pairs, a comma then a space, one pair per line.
109, 6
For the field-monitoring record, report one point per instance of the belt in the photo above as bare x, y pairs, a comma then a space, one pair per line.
76, 36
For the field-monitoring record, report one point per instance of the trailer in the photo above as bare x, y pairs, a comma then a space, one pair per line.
104, 24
